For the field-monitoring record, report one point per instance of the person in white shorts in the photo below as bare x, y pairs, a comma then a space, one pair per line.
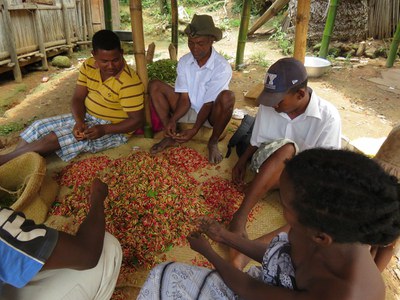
39, 262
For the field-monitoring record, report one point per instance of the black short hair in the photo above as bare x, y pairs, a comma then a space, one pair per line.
106, 40
346, 195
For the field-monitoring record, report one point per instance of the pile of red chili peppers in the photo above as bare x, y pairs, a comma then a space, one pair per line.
153, 201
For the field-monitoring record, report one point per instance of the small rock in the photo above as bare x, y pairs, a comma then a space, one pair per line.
61, 61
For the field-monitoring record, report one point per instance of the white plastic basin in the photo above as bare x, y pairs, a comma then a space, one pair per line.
316, 66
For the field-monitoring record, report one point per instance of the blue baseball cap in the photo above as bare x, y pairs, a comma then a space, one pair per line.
283, 75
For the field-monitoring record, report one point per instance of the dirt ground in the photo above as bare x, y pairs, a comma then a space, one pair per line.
368, 110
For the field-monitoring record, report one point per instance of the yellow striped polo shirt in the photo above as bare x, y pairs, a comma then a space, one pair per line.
112, 99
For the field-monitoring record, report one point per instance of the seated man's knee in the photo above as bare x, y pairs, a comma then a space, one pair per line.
51, 137
112, 247
288, 150
154, 85
227, 98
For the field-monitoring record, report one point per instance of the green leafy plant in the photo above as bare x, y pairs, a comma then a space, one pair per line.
163, 69
234, 23
259, 58
282, 38
225, 55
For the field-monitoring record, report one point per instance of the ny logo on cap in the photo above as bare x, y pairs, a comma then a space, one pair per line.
269, 81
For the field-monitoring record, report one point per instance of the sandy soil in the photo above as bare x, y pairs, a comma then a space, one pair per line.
368, 110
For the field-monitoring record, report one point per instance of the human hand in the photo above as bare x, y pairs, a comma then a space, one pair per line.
185, 135
170, 128
212, 229
238, 172
199, 243
78, 130
94, 132
98, 190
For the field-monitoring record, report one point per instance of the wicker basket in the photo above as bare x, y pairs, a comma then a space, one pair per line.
24, 176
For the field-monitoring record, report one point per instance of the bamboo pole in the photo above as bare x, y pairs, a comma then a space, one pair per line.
242, 38
330, 23
302, 19
174, 25
140, 58
40, 37
272, 11
393, 48
10, 40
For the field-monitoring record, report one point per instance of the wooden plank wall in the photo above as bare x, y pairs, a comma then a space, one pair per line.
32, 31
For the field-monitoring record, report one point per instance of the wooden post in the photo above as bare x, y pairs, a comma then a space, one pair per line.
67, 29
172, 52
174, 25
302, 19
89, 19
150, 53
12, 48
108, 14
84, 24
140, 58
40, 37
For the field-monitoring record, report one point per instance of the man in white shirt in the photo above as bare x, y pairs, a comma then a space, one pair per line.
201, 95
291, 118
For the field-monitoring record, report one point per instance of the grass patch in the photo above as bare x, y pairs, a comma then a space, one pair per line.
259, 58
8, 97
9, 128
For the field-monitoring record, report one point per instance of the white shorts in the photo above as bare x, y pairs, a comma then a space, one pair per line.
67, 284
191, 117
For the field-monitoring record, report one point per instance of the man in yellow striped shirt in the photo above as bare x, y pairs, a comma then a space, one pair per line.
107, 106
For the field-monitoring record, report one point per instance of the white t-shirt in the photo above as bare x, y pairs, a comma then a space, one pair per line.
202, 84
318, 126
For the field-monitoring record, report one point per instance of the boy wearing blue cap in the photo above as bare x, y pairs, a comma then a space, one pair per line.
291, 118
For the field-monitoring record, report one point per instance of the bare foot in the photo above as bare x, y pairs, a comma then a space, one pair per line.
163, 144
214, 156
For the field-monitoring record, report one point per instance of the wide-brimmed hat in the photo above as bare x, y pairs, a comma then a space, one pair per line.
283, 75
203, 25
